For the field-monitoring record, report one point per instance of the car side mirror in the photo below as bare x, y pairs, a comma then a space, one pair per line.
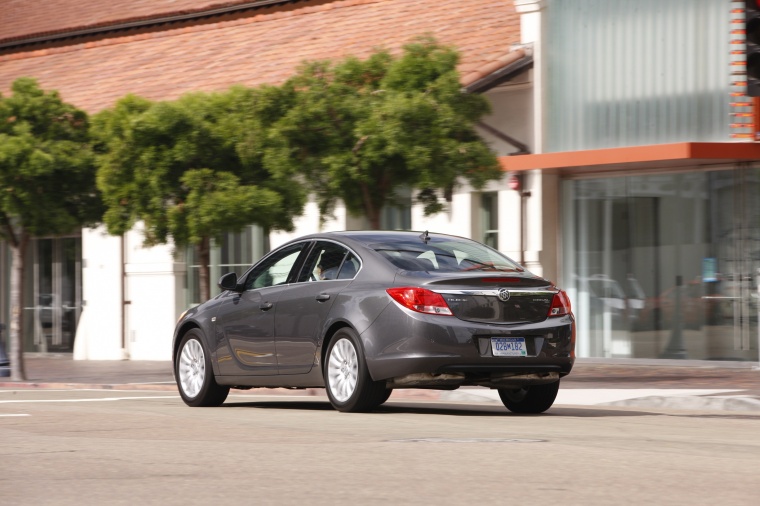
229, 282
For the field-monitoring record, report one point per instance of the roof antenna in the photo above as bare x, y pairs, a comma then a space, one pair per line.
425, 237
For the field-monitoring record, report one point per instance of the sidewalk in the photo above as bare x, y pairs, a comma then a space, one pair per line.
726, 386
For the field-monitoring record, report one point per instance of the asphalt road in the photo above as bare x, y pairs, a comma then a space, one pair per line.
82, 447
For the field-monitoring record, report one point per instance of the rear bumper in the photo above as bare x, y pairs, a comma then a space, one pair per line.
416, 350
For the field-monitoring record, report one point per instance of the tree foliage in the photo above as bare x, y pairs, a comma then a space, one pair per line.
190, 169
46, 165
360, 130
47, 181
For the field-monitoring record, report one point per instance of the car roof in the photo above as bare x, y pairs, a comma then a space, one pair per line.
368, 237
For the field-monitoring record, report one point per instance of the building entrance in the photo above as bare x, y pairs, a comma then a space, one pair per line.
53, 294
666, 266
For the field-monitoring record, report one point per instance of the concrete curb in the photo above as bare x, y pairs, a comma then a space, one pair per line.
28, 385
694, 403
746, 403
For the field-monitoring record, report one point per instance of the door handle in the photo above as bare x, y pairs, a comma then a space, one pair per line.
265, 306
323, 297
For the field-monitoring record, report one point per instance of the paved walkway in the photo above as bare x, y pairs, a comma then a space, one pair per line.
668, 384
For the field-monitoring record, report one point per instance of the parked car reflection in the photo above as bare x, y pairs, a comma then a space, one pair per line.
624, 302
692, 305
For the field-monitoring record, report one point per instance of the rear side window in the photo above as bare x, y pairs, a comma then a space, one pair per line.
349, 268
324, 262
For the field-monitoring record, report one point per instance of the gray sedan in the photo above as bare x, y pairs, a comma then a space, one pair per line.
363, 313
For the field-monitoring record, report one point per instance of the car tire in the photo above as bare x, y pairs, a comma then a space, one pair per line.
194, 374
385, 396
532, 399
347, 381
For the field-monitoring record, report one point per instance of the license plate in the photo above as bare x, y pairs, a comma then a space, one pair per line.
508, 347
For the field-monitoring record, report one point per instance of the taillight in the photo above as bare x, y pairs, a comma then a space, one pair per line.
560, 304
420, 300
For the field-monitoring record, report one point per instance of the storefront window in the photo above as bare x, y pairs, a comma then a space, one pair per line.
397, 214
5, 289
665, 266
489, 213
236, 253
52, 294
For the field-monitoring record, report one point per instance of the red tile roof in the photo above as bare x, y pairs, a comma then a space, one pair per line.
25, 18
263, 46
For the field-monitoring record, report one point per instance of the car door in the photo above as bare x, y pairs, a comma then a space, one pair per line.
303, 309
245, 323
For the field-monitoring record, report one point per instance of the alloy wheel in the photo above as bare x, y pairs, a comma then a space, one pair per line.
343, 370
192, 368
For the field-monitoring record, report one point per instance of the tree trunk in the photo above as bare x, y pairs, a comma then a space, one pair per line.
370, 209
16, 335
204, 259
374, 220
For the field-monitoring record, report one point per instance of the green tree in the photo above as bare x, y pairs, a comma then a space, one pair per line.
47, 183
362, 130
190, 169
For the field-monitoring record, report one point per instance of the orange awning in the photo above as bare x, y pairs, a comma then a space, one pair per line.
682, 154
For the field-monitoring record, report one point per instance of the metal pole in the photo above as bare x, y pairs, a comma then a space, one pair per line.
524, 195
5, 363
676, 347
522, 227
758, 321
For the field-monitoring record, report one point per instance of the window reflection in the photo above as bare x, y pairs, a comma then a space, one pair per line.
665, 266
236, 253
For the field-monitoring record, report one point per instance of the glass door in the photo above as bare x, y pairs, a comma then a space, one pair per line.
730, 304
53, 294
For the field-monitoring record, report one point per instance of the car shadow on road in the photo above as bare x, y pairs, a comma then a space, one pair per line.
495, 410
278, 404
446, 409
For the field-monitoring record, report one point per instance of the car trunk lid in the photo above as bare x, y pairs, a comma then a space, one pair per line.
517, 298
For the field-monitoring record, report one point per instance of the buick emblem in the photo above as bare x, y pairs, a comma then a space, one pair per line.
503, 294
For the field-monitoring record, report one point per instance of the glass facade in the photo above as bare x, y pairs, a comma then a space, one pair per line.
52, 301
5, 293
665, 265
236, 253
489, 215
398, 214
52, 294
632, 73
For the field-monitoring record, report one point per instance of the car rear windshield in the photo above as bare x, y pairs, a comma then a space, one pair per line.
445, 255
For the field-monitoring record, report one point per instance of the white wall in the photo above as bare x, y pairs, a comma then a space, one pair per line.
308, 223
98, 334
455, 219
511, 113
509, 222
513, 108
154, 298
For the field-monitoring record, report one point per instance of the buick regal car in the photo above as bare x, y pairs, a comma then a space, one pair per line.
363, 313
